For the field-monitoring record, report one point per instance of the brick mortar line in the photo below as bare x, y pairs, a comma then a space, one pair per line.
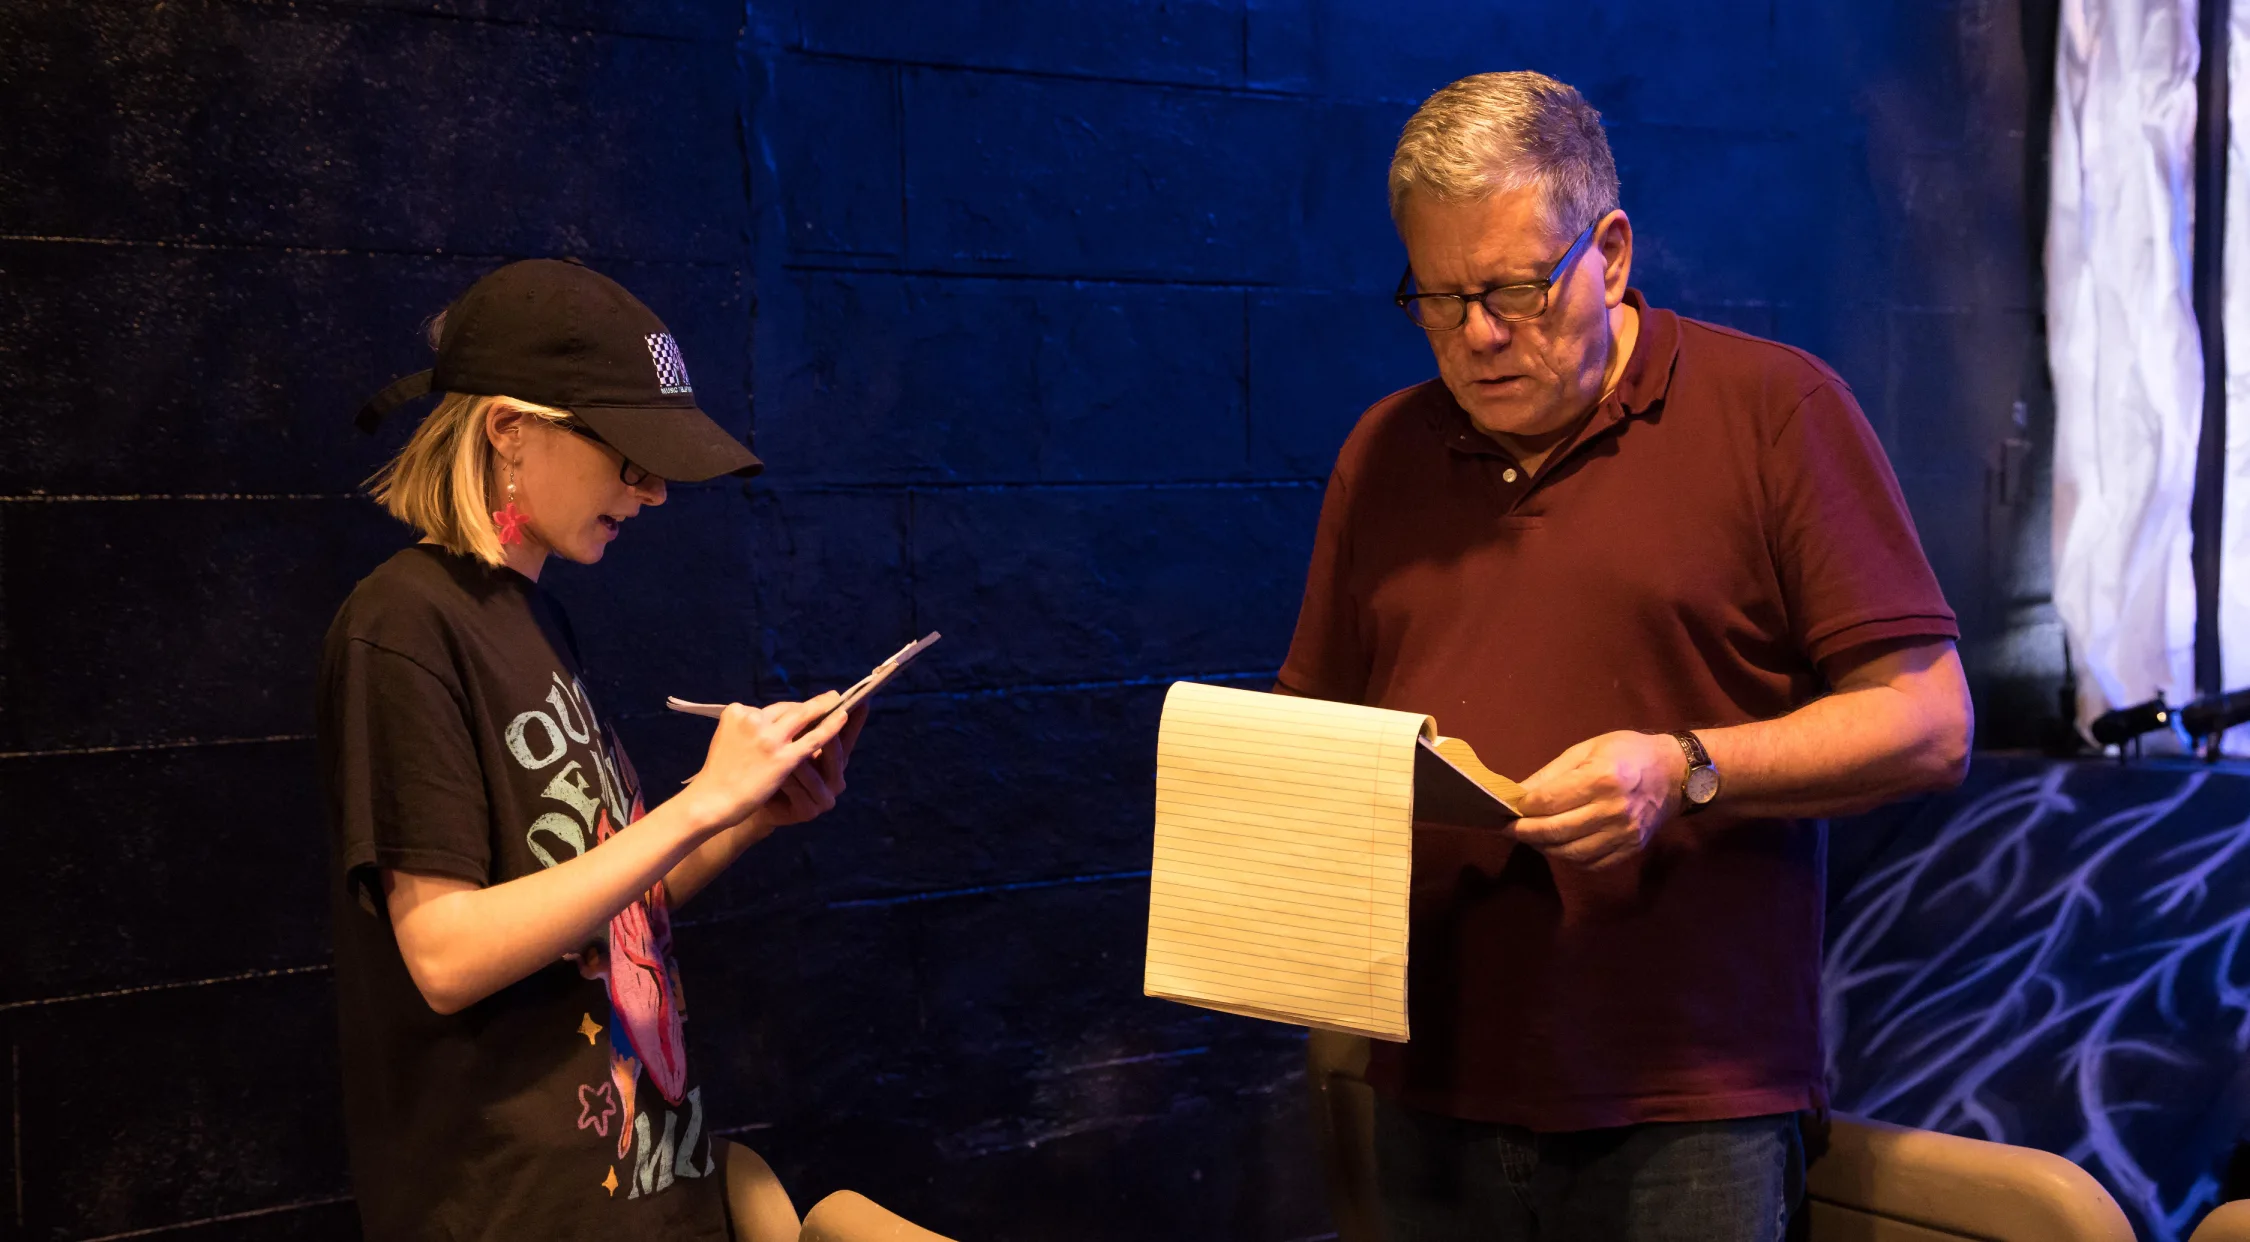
1067, 687
7, 680
68, 498
966, 692
1045, 75
1249, 357
875, 267
929, 485
362, 11
15, 1114
916, 898
1154, 485
471, 256
122, 748
253, 1213
998, 692
2001, 306
41, 1002
910, 563
1238, 90
1075, 485
1176, 1054
1242, 41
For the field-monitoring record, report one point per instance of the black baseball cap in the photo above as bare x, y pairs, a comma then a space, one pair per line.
558, 333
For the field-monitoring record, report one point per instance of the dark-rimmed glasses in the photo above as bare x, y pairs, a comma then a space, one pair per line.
1443, 312
627, 473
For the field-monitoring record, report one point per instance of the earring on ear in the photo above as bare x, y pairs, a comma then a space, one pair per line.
509, 519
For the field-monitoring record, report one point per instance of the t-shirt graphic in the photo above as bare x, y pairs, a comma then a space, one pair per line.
647, 1030
646, 1034
459, 740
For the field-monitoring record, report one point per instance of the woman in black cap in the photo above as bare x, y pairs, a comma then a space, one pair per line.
511, 1017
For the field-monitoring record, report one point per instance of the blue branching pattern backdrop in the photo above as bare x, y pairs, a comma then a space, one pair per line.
2053, 956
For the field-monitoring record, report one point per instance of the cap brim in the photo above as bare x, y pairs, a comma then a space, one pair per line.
680, 443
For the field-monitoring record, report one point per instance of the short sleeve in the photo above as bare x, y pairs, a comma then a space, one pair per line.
1850, 564
1327, 659
407, 790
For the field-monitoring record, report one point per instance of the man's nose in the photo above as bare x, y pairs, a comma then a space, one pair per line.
1485, 330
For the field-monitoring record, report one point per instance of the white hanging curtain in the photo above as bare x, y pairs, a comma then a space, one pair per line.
2122, 345
2234, 314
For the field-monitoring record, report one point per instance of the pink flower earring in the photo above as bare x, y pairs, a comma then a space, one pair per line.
508, 518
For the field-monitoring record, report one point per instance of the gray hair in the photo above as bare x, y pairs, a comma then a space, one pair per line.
1495, 132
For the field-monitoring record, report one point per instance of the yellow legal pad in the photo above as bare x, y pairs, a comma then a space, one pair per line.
1284, 848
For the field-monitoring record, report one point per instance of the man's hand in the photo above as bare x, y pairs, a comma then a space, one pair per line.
1599, 802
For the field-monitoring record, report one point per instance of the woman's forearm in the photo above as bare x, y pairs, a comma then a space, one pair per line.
463, 942
809, 793
689, 876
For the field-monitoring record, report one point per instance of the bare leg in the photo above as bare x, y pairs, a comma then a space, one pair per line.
760, 1206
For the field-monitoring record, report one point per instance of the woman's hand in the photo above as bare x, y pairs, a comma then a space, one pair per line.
752, 753
811, 791
802, 792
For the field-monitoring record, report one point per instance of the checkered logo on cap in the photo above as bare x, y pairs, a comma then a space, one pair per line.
671, 369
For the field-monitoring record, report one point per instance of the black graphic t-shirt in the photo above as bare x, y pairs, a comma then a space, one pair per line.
458, 740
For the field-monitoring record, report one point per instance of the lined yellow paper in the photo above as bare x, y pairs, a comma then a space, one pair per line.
1284, 848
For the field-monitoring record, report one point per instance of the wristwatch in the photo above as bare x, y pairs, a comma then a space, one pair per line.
1702, 784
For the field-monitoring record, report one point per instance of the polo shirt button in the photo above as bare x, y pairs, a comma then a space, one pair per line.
1508, 475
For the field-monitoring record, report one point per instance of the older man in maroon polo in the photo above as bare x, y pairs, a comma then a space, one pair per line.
1662, 567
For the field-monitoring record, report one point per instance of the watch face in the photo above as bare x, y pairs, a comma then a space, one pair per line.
1702, 785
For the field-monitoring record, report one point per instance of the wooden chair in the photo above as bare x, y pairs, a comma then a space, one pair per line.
2228, 1222
761, 1207
1883, 1183
848, 1216
1875, 1183
1343, 1110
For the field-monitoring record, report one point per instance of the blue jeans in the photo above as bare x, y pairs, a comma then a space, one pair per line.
1442, 1179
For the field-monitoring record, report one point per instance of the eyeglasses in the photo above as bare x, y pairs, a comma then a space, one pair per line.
627, 473
1443, 312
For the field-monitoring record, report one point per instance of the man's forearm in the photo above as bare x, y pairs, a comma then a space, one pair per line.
1903, 729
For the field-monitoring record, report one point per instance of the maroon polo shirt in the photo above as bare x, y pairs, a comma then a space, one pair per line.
1723, 522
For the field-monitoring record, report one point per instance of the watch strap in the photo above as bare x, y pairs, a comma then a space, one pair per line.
1697, 759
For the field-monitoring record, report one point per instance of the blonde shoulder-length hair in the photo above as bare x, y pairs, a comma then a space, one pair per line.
440, 483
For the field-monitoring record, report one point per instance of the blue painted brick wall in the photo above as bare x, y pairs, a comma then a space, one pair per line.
1054, 315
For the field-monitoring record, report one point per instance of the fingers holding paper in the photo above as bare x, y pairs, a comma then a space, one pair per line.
754, 768
814, 786
755, 751
1598, 804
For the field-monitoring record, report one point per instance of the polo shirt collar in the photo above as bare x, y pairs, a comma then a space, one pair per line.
1648, 373
1647, 377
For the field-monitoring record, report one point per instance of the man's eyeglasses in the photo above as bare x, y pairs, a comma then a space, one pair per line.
1443, 312
627, 473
